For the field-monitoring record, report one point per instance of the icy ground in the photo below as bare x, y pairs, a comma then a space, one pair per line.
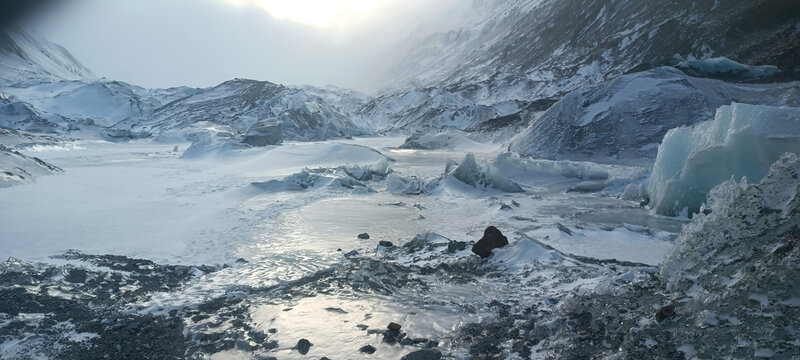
239, 254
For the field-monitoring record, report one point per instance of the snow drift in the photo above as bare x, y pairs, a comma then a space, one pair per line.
742, 141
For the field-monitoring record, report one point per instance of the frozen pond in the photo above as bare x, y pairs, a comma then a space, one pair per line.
293, 264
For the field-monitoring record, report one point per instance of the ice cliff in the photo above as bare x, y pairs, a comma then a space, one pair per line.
742, 141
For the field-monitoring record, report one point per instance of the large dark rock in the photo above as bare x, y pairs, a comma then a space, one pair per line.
492, 239
368, 349
424, 354
303, 346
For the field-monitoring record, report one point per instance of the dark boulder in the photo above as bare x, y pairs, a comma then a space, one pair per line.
384, 243
424, 354
363, 236
303, 346
665, 312
492, 239
368, 349
454, 246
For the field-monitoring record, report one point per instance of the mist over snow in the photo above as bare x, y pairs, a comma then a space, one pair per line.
201, 43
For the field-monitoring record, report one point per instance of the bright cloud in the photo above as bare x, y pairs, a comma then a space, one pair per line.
330, 14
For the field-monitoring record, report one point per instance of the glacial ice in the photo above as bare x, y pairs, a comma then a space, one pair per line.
722, 67
484, 175
618, 121
742, 141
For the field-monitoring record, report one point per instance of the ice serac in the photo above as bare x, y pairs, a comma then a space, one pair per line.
742, 141
622, 121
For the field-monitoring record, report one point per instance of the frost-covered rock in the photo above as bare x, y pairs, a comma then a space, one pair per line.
727, 290
624, 120
723, 68
485, 175
742, 141
16, 168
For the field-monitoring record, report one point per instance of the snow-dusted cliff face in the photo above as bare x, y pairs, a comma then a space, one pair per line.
526, 50
29, 58
540, 48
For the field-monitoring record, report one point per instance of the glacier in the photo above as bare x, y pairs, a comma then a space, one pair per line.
742, 141
622, 120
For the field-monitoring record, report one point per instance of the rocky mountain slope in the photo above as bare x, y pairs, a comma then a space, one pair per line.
44, 89
27, 58
527, 50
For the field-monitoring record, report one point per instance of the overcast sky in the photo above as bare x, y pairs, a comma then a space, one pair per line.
162, 43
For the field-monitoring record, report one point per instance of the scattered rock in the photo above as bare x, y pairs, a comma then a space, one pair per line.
492, 239
665, 312
363, 236
241, 261
368, 349
362, 326
515, 203
351, 253
406, 341
303, 345
505, 207
385, 243
393, 334
454, 246
424, 354
175, 149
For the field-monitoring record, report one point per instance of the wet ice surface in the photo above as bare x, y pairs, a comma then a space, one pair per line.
141, 200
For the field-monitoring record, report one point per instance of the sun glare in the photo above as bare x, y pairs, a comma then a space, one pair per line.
338, 14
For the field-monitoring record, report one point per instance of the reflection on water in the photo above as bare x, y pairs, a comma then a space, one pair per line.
332, 325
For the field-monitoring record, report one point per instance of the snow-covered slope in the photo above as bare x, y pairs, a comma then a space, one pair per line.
241, 104
526, 50
624, 120
539, 48
29, 58
16, 168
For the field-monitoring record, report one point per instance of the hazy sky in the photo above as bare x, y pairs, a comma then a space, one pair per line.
162, 43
